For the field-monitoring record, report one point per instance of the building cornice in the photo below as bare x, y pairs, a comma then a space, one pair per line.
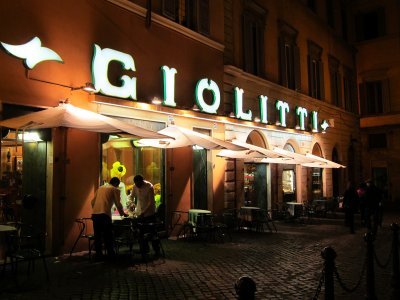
141, 11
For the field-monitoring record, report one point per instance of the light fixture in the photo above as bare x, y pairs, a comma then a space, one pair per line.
257, 120
88, 87
195, 107
232, 115
297, 127
277, 123
156, 101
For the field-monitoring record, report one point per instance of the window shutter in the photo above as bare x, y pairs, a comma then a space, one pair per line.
310, 77
363, 98
282, 62
296, 61
248, 49
321, 80
204, 17
169, 9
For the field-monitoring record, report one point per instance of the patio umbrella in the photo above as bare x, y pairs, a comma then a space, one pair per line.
183, 137
261, 155
320, 162
252, 152
67, 115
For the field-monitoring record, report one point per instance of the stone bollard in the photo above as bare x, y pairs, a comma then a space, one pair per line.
329, 255
395, 282
369, 238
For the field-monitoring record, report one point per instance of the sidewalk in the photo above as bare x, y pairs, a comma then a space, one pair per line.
284, 265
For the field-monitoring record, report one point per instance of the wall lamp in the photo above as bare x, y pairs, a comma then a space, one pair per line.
156, 101
88, 87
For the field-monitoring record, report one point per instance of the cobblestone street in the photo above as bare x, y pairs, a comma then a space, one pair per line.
285, 265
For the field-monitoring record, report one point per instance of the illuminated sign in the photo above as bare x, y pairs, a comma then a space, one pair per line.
33, 53
101, 60
207, 84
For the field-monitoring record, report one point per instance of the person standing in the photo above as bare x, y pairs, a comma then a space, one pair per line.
106, 196
374, 203
350, 204
143, 196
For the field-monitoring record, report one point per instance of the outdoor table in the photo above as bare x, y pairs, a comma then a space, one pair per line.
5, 229
194, 213
294, 208
248, 213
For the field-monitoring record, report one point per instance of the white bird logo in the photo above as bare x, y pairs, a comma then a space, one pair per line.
32, 52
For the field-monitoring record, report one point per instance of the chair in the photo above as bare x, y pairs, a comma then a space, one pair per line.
262, 218
25, 245
154, 232
205, 227
180, 227
124, 235
84, 233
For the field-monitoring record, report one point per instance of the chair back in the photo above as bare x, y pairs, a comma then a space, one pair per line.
85, 227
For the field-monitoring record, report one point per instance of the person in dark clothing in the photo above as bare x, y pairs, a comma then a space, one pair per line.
350, 204
373, 208
362, 189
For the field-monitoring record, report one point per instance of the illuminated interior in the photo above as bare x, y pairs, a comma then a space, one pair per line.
121, 158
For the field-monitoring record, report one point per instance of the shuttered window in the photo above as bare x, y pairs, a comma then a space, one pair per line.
315, 71
289, 57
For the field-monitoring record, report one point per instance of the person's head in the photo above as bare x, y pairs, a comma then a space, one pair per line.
245, 288
138, 180
114, 181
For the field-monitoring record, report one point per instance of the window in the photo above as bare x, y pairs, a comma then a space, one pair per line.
371, 94
330, 17
121, 157
349, 90
370, 24
315, 71
289, 58
377, 141
193, 14
336, 90
311, 5
253, 39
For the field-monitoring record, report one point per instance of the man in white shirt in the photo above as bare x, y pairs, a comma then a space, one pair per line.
143, 195
105, 197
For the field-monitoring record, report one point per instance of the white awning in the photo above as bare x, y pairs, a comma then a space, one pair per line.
184, 137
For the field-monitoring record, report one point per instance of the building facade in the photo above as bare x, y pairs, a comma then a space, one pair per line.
252, 71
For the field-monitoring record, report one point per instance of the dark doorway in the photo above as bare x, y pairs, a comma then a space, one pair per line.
200, 178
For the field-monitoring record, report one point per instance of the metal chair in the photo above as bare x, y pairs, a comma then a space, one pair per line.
25, 245
85, 232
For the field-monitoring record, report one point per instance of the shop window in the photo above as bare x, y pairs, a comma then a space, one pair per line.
316, 178
370, 24
249, 191
121, 158
315, 71
253, 39
194, 14
289, 58
377, 141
